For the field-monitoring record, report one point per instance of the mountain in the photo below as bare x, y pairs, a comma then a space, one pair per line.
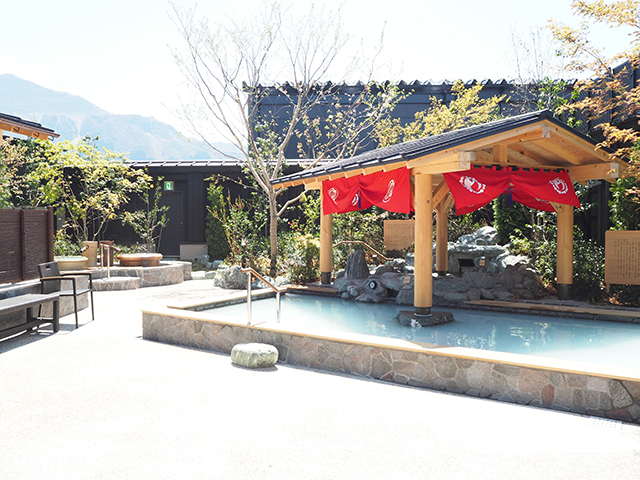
73, 117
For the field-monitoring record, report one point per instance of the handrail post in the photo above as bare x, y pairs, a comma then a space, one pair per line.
249, 298
252, 273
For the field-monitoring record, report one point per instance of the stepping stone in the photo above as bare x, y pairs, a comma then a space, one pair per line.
254, 355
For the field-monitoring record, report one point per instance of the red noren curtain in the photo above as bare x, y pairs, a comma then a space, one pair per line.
388, 190
475, 188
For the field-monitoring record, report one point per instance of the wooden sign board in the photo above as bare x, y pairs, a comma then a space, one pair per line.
398, 234
622, 257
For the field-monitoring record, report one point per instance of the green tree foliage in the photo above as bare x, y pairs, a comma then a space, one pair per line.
624, 208
606, 90
588, 268
509, 218
237, 227
18, 158
215, 230
149, 222
302, 258
88, 186
465, 110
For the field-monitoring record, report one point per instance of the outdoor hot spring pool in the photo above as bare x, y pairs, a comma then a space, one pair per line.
602, 342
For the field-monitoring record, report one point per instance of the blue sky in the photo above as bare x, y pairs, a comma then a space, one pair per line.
117, 54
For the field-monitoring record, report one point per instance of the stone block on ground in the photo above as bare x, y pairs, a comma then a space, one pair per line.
254, 355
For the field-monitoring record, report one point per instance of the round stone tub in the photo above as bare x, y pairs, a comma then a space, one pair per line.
71, 262
139, 259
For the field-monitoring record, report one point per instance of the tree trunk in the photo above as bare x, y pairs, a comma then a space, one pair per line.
273, 232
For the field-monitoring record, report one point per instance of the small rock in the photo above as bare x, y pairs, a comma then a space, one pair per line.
216, 264
373, 286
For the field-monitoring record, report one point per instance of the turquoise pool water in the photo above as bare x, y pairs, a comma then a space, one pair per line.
608, 343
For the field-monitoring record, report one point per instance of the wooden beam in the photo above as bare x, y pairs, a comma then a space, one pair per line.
500, 153
440, 193
394, 166
522, 134
457, 162
520, 149
599, 171
579, 142
563, 150
448, 202
537, 134
313, 186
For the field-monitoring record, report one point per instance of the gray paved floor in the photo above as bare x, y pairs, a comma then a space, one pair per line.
101, 403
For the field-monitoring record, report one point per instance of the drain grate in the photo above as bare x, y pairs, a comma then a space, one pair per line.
605, 423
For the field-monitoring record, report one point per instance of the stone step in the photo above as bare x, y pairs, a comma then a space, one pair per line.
117, 283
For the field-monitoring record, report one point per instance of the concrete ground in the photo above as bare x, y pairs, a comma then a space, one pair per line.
101, 403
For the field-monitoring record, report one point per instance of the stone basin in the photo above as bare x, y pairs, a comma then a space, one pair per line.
71, 262
139, 259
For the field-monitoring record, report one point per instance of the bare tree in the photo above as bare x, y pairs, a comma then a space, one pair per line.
537, 64
230, 62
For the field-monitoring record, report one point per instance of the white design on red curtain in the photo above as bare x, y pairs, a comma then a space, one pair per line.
333, 194
473, 185
559, 185
356, 197
391, 186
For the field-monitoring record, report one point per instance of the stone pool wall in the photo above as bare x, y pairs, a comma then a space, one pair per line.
451, 369
119, 278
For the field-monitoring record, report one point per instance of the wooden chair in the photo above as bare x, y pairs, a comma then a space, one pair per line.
51, 282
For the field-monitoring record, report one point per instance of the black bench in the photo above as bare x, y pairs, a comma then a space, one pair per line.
27, 302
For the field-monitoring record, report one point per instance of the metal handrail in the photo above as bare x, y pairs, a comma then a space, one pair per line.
386, 259
250, 271
107, 247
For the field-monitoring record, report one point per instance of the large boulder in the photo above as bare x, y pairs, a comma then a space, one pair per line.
394, 281
254, 355
356, 266
482, 236
231, 278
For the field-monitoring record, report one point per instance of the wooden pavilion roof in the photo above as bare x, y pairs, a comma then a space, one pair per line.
532, 140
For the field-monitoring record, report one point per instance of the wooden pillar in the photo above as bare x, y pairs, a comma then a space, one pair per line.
442, 238
326, 245
564, 265
423, 287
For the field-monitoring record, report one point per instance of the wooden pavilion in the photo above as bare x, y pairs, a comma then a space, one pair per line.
533, 142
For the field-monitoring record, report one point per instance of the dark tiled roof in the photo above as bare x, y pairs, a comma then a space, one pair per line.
428, 145
208, 162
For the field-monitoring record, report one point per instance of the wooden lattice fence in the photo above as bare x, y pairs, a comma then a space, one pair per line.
26, 239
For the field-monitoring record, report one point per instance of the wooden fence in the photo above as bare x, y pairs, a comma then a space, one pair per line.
26, 239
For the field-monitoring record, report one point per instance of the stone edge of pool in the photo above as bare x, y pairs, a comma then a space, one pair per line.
583, 388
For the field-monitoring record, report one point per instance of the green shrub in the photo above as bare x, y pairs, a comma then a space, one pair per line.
215, 234
302, 262
507, 219
63, 245
463, 225
588, 261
